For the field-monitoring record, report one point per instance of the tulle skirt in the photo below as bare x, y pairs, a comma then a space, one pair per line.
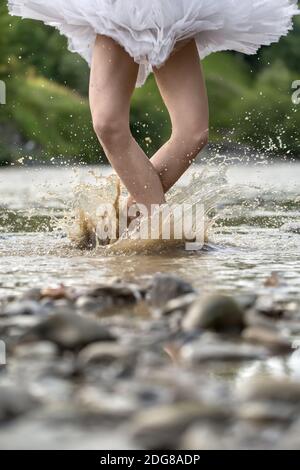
149, 29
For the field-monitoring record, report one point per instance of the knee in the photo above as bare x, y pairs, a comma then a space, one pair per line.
110, 130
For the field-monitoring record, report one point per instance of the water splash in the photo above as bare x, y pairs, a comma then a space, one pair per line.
207, 187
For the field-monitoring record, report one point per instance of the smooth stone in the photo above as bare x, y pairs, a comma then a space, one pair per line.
120, 293
69, 331
270, 389
246, 301
267, 337
203, 437
165, 287
104, 353
56, 293
198, 352
22, 307
32, 294
114, 406
219, 313
261, 412
15, 402
256, 319
94, 304
266, 305
162, 426
38, 351
179, 304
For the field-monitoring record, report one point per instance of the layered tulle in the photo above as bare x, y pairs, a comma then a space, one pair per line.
149, 29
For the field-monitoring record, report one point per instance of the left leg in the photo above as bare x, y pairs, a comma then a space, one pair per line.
182, 86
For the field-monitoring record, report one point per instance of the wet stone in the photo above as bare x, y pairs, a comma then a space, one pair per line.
69, 331
268, 337
165, 287
119, 293
266, 305
15, 402
160, 427
215, 312
104, 353
22, 307
38, 351
270, 389
201, 351
265, 412
179, 304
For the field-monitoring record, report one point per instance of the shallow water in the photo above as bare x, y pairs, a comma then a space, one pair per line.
245, 245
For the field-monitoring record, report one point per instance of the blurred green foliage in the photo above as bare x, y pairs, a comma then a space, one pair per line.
47, 113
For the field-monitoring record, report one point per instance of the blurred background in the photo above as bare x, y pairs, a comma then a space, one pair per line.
47, 119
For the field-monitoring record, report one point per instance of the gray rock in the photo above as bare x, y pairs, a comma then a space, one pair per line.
267, 337
22, 307
215, 312
179, 304
15, 402
203, 436
265, 304
119, 293
37, 351
161, 427
165, 287
69, 331
103, 353
199, 351
266, 412
94, 304
270, 389
32, 294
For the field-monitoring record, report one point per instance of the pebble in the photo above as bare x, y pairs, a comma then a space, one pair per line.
103, 353
165, 287
214, 312
264, 412
198, 352
179, 304
271, 389
162, 426
15, 402
268, 337
119, 293
38, 351
69, 331
22, 307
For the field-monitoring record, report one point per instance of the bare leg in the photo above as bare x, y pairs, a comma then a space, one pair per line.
112, 82
183, 90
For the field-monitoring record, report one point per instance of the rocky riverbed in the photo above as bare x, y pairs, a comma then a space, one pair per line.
146, 363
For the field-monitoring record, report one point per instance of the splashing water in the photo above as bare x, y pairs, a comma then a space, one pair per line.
101, 204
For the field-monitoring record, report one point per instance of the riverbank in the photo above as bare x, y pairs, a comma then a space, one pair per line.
151, 363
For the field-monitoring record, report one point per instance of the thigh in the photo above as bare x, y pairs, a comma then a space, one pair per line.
182, 86
113, 77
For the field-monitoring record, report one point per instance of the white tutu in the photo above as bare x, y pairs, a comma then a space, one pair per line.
148, 29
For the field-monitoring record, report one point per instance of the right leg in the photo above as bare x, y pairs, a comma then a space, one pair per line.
112, 82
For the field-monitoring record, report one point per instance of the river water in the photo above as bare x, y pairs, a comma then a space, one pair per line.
245, 244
